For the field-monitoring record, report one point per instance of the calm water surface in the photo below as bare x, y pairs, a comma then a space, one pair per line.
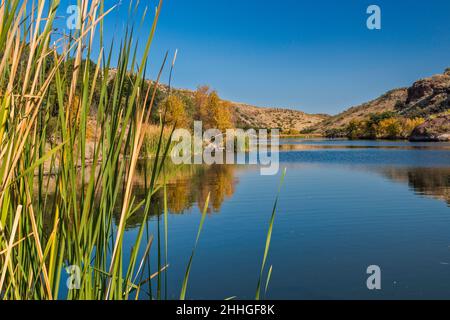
345, 205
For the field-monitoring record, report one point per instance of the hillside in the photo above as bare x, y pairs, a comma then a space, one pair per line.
249, 116
426, 98
288, 120
385, 103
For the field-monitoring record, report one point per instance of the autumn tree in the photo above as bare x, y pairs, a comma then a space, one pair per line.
219, 113
201, 97
211, 110
390, 128
175, 112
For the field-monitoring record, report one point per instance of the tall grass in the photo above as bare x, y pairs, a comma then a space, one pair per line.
42, 181
59, 191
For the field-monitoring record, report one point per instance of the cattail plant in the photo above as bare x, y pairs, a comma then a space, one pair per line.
57, 198
72, 129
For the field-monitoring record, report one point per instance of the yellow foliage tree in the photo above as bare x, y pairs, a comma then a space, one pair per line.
221, 114
176, 112
211, 110
201, 97
217, 114
390, 128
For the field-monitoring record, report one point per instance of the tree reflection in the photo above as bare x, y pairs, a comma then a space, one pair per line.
219, 180
186, 188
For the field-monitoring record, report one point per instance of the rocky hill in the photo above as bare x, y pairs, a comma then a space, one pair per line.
434, 129
429, 97
385, 103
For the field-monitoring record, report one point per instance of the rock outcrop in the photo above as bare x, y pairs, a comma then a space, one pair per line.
436, 129
427, 97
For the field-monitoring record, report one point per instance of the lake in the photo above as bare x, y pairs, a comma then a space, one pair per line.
345, 205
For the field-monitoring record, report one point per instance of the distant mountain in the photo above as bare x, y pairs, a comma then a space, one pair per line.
248, 116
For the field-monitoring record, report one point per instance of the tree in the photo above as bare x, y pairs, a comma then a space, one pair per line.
354, 129
372, 129
211, 110
175, 112
201, 97
222, 116
390, 128
218, 114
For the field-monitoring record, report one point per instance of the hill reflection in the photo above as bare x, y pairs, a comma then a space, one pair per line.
430, 182
188, 187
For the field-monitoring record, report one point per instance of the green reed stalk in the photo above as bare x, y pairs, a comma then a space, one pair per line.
60, 186
268, 241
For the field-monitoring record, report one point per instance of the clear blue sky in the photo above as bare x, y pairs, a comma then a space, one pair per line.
315, 56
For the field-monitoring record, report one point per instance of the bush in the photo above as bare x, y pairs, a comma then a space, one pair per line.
356, 129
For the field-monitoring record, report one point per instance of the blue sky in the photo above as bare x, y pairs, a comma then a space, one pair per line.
315, 56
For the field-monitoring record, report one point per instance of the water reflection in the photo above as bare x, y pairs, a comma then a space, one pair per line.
430, 182
183, 192
340, 210
187, 186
